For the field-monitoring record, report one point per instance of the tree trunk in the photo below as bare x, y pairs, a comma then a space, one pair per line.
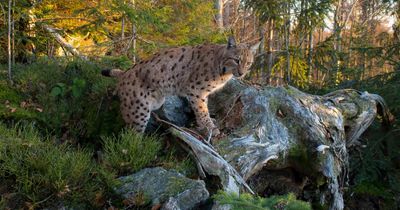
226, 14
260, 70
9, 41
13, 34
310, 55
287, 43
134, 35
123, 28
219, 6
134, 42
337, 33
268, 75
364, 18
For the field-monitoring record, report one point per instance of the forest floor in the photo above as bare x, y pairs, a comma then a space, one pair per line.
64, 113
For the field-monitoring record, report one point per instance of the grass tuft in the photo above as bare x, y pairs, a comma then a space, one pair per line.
41, 173
130, 151
247, 201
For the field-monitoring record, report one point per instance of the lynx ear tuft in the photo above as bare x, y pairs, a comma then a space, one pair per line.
231, 42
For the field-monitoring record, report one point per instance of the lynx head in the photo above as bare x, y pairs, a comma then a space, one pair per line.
237, 59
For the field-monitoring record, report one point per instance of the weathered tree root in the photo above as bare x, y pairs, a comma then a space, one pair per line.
284, 128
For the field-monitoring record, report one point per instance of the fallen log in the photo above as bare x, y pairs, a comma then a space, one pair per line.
280, 139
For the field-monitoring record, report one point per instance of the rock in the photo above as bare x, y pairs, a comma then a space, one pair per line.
175, 110
171, 204
218, 206
157, 186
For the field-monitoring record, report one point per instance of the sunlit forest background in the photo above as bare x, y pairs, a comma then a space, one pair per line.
51, 53
305, 43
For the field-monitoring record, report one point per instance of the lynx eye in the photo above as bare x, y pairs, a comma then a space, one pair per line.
237, 60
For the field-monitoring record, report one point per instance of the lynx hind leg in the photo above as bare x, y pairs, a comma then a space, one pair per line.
136, 113
203, 119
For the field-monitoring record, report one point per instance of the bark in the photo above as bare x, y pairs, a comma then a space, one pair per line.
269, 51
134, 35
310, 55
13, 35
9, 41
226, 14
134, 39
283, 140
287, 44
337, 33
219, 6
123, 28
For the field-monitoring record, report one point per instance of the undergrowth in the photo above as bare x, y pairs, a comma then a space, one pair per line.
35, 172
247, 201
69, 99
375, 167
130, 151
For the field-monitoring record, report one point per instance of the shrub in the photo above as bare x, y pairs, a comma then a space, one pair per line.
68, 98
247, 201
130, 151
44, 174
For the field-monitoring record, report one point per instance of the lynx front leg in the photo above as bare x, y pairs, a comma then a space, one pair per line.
203, 119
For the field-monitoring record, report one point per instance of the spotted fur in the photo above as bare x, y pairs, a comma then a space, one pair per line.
192, 72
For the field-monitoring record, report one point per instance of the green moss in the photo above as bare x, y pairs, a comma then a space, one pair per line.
8, 94
301, 157
176, 185
10, 105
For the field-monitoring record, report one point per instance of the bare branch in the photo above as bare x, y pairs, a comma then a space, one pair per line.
53, 32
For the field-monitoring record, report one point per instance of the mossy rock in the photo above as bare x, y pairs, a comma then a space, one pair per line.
159, 186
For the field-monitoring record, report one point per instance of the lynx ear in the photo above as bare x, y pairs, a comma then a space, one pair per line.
254, 48
231, 42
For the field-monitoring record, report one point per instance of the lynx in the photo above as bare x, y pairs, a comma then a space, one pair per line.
194, 72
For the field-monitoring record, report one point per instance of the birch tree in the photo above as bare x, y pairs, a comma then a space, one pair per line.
219, 6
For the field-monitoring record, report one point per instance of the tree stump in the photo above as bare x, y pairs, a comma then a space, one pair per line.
281, 140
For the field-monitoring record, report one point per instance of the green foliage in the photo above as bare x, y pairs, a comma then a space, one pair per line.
375, 168
72, 98
122, 62
247, 201
298, 69
130, 151
44, 174
10, 104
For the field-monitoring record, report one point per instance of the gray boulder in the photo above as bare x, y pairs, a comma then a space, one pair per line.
159, 186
